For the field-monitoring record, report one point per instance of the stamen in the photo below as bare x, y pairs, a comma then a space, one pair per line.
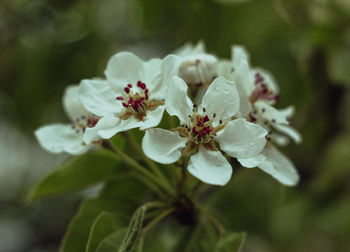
120, 98
129, 85
127, 90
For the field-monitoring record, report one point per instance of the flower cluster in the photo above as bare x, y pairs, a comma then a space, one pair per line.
224, 110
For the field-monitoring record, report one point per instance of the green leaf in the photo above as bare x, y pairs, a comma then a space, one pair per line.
78, 172
79, 228
230, 242
134, 230
112, 242
104, 224
124, 240
119, 197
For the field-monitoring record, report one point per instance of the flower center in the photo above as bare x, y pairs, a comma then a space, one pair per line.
261, 91
200, 129
137, 102
83, 122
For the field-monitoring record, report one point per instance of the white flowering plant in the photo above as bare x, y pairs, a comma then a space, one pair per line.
157, 134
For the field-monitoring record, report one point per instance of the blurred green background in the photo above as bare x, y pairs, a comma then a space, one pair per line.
47, 45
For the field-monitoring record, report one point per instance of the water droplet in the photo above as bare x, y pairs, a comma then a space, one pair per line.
217, 88
251, 144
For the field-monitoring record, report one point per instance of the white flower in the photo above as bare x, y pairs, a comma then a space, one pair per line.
134, 92
258, 92
201, 128
197, 67
75, 138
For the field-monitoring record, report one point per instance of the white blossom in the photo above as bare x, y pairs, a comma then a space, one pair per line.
259, 92
77, 137
197, 67
133, 93
201, 128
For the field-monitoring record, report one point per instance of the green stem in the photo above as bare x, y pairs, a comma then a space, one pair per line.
192, 240
215, 222
150, 184
155, 204
148, 161
139, 168
157, 219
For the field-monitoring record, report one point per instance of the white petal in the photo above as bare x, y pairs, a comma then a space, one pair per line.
239, 54
270, 113
169, 68
99, 98
279, 139
224, 68
245, 106
242, 139
72, 104
153, 118
199, 48
289, 131
152, 68
279, 166
190, 49
197, 69
242, 73
176, 101
124, 68
123, 125
162, 145
210, 166
288, 111
107, 122
57, 138
252, 162
222, 99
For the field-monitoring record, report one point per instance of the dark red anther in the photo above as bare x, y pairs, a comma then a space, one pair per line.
220, 121
125, 104
194, 130
120, 98
199, 123
127, 90
204, 109
129, 85
206, 118
207, 129
141, 85
214, 115
146, 94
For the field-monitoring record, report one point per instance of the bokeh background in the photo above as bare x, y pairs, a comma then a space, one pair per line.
47, 45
